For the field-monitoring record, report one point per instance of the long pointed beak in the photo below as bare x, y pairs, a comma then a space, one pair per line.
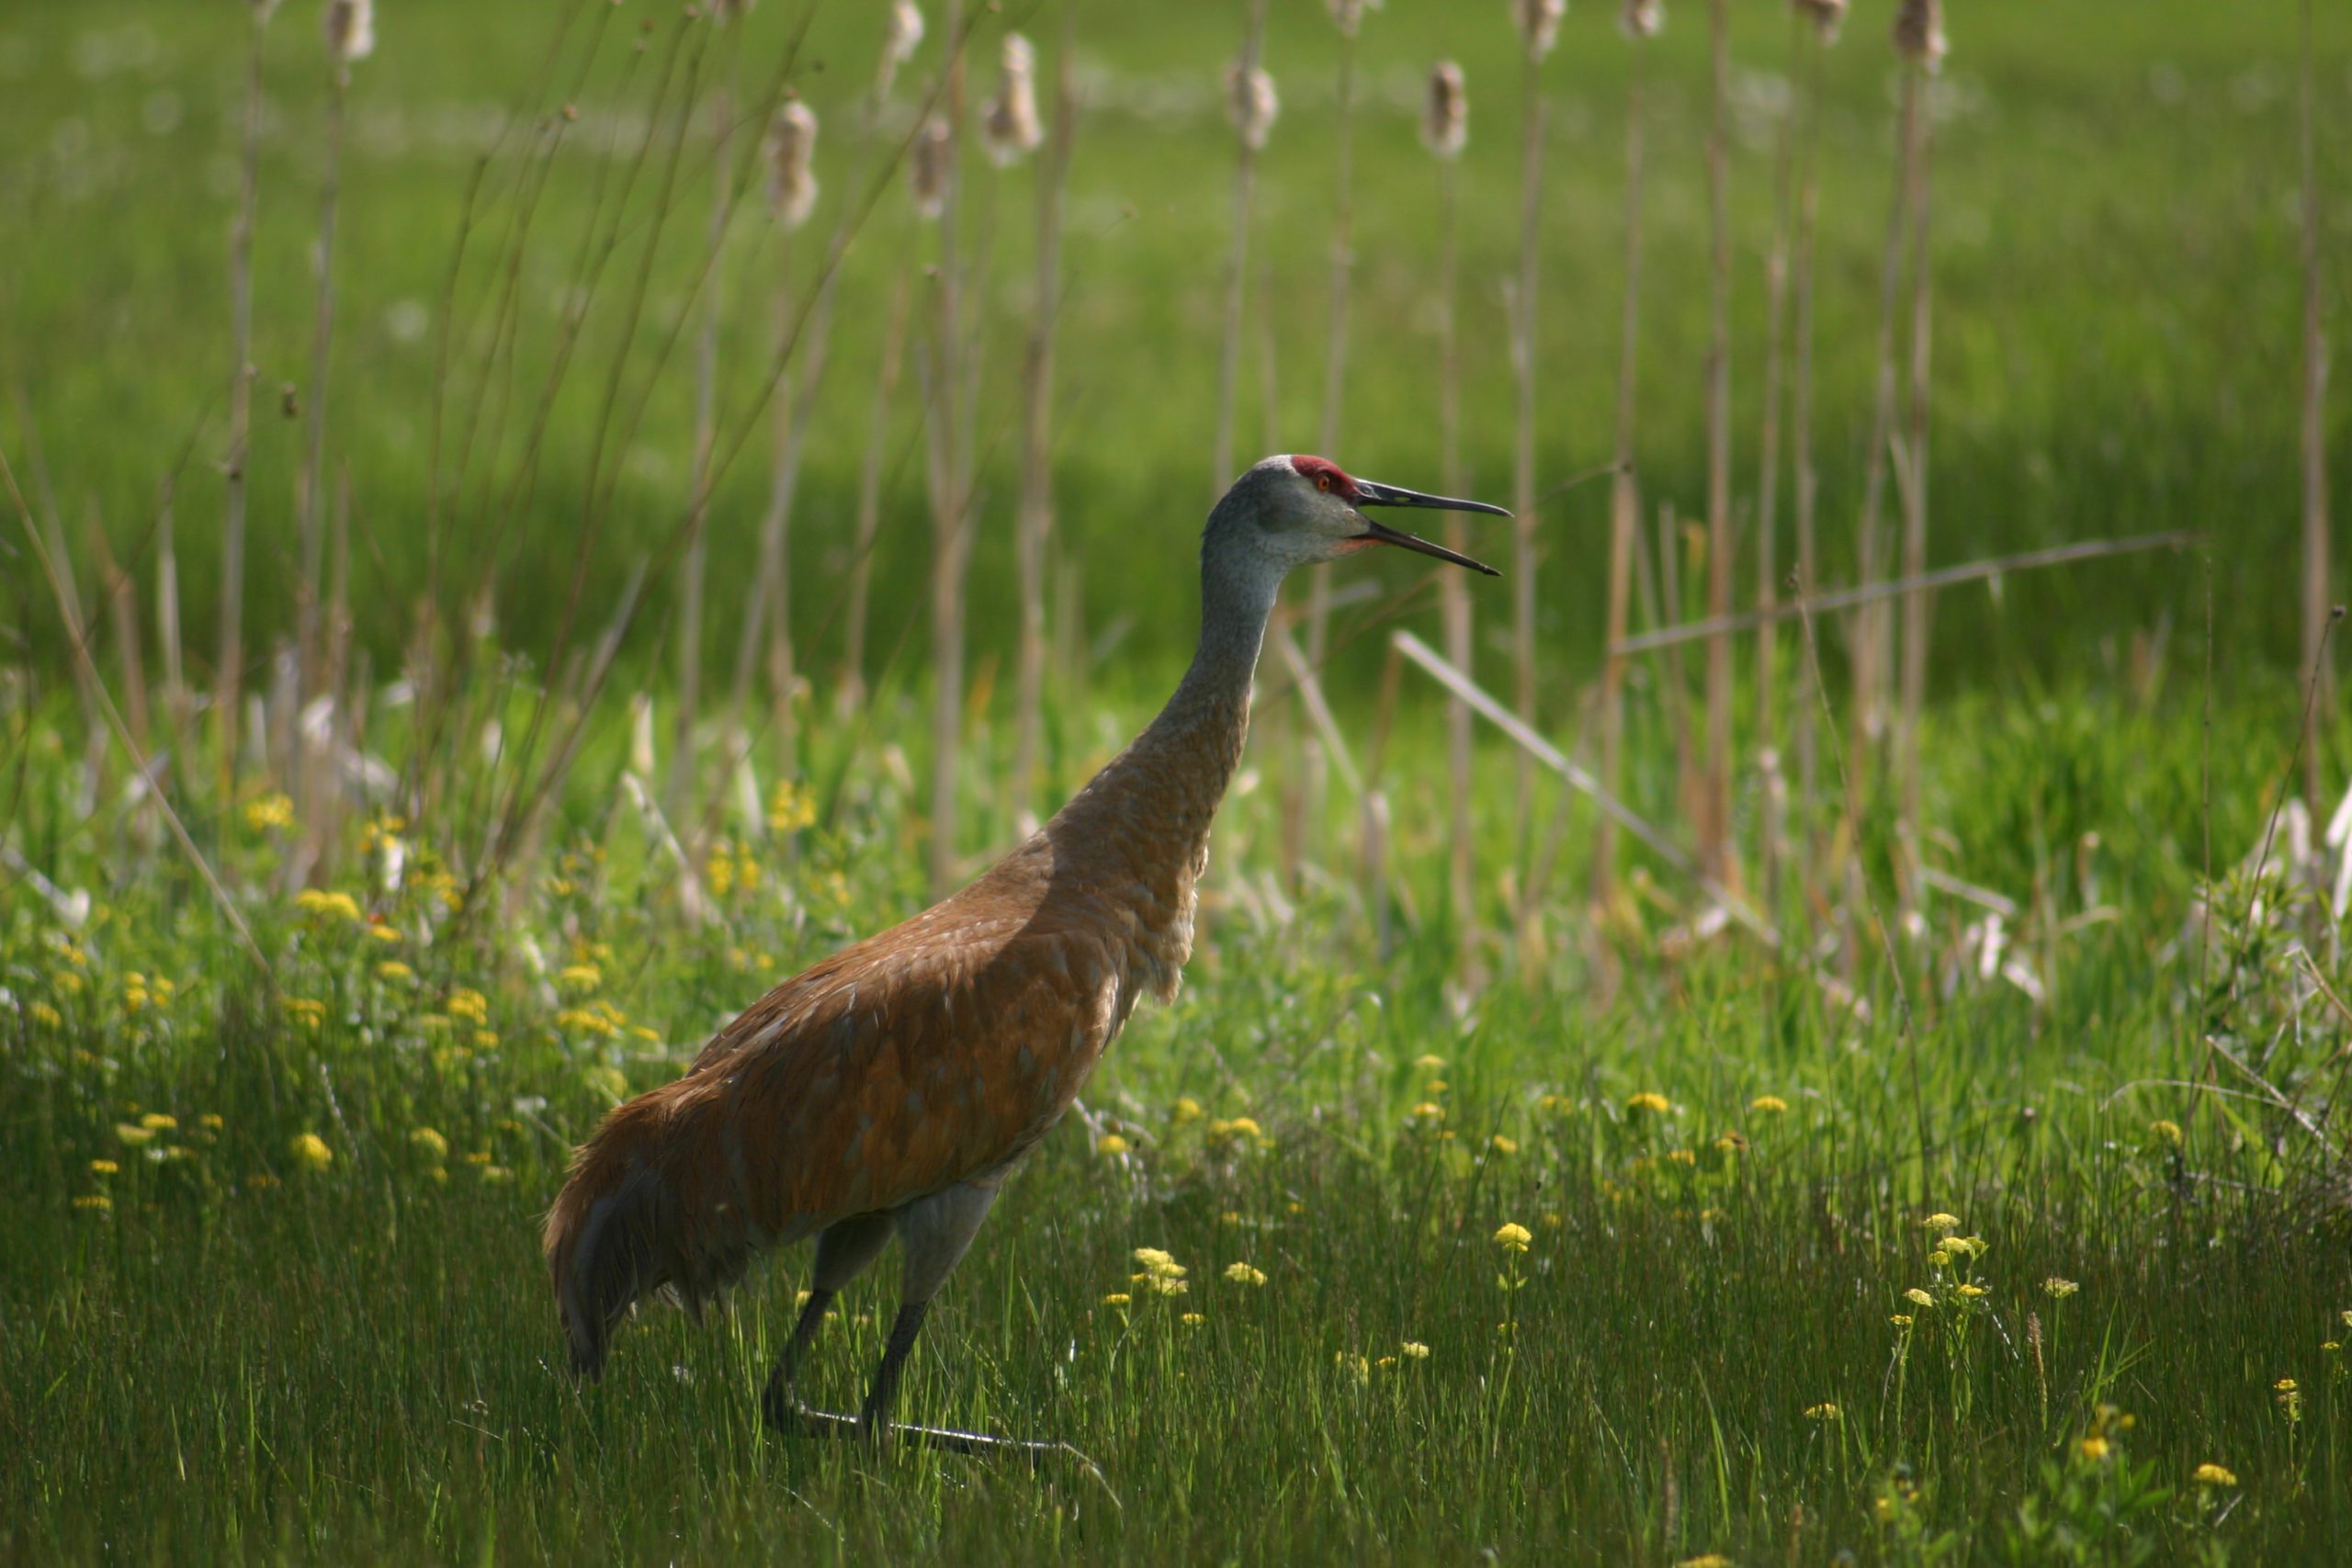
1370, 495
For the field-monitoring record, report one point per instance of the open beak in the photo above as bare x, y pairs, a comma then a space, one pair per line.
1370, 495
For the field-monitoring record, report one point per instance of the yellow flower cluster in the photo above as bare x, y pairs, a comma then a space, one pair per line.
306, 1010
320, 903
729, 866
46, 1016
1110, 1143
1243, 1274
1187, 1109
1650, 1100
269, 811
429, 1143
1513, 1237
2210, 1474
140, 993
1162, 1275
790, 807
580, 979
599, 1017
311, 1151
1236, 1131
1768, 1105
469, 1005
1823, 1412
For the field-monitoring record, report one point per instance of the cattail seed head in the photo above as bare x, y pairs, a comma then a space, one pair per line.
1919, 33
1349, 14
1538, 24
1009, 128
725, 11
1250, 104
791, 159
900, 37
1445, 121
927, 168
1643, 18
351, 30
1826, 16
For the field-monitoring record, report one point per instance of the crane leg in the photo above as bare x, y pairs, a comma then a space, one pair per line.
843, 1252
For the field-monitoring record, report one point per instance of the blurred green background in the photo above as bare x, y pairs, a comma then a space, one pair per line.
2118, 309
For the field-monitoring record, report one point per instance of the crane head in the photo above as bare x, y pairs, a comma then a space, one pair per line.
1307, 509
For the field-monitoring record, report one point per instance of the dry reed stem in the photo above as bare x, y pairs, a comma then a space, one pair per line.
1249, 135
1625, 487
1445, 130
2318, 596
229, 670
1808, 492
1335, 338
1035, 520
869, 494
1768, 480
951, 499
1918, 606
1539, 22
1714, 830
350, 36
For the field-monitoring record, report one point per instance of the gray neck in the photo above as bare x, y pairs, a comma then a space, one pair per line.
1161, 793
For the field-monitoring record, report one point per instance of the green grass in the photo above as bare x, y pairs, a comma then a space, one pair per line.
238, 1357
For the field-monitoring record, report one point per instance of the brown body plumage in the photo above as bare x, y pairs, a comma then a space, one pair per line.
894, 1085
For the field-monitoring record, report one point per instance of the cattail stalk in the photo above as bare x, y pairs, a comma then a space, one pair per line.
2317, 594
1034, 524
869, 495
1625, 485
950, 469
229, 672
1348, 16
1714, 828
1251, 104
350, 30
1445, 128
694, 569
767, 615
1539, 23
167, 616
1824, 28
1767, 478
1920, 36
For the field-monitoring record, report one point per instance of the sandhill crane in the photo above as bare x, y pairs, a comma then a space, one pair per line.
893, 1087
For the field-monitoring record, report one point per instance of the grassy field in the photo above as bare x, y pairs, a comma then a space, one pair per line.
2008, 1222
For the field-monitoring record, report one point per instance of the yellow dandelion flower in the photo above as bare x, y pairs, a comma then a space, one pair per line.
2285, 1385
1435, 1086
1155, 1260
311, 1150
46, 1016
580, 977
2329, 1347
2059, 1290
1426, 1111
2095, 1448
1651, 1102
469, 1005
1385, 1362
1115, 1299
1513, 1237
485, 1038
1503, 1145
269, 811
157, 1122
1918, 1297
1971, 1292
1901, 1320
323, 904
790, 809
496, 1173
1552, 1220
1682, 1156
95, 1203
1768, 1105
1110, 1143
1243, 1274
211, 1121
306, 1010
1414, 1351
1193, 1319
384, 932
2209, 1474
608, 1080
2164, 1135
1230, 1217
1940, 1222
1939, 1258
1187, 1108
429, 1143
1706, 1560
104, 1167
134, 1134
1555, 1102
393, 969
1824, 1411
477, 1157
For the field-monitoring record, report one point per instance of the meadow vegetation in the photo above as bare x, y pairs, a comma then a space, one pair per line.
1951, 1181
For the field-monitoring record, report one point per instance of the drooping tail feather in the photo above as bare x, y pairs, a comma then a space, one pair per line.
647, 1207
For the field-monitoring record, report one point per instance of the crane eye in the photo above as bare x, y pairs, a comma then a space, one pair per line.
1322, 481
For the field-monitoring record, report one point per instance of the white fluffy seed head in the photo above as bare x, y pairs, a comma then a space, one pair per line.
1251, 103
725, 11
351, 30
902, 35
1009, 128
1919, 33
1349, 14
1445, 118
1538, 24
791, 159
927, 168
1826, 17
1643, 18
